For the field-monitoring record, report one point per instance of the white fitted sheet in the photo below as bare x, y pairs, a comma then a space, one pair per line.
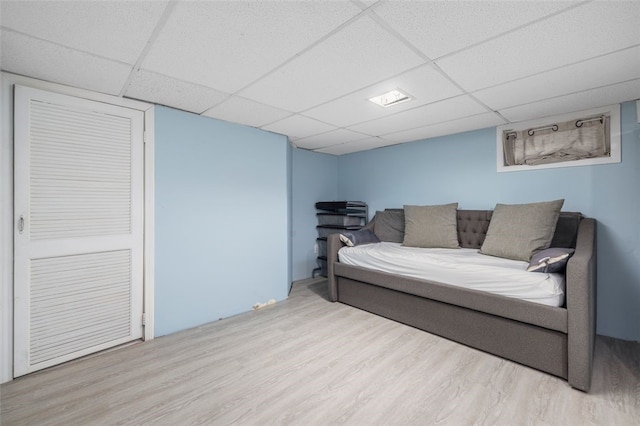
460, 267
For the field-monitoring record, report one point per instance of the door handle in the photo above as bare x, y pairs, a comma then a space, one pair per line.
21, 224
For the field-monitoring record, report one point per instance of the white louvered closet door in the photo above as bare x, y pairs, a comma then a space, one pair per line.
78, 227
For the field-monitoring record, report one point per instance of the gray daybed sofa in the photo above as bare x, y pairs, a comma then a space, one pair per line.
556, 340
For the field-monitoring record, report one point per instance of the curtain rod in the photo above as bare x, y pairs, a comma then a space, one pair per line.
579, 123
554, 127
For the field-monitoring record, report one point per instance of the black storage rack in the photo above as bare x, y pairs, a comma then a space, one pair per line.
334, 217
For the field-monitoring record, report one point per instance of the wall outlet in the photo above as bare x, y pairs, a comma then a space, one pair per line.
315, 249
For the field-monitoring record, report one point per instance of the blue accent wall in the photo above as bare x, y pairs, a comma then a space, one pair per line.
235, 217
221, 219
462, 168
314, 178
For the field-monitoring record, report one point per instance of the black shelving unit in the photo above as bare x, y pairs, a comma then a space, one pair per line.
335, 217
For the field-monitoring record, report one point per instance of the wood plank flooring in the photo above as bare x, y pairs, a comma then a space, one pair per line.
306, 361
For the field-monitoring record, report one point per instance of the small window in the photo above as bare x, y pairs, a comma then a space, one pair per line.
582, 138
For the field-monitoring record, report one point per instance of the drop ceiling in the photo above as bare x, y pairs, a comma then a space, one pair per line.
306, 69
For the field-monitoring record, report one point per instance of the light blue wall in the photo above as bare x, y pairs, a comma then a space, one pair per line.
221, 219
462, 168
314, 178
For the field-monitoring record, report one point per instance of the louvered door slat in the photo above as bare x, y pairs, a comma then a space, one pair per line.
61, 210
79, 257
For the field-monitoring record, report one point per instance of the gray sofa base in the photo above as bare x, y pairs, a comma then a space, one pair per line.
559, 341
534, 346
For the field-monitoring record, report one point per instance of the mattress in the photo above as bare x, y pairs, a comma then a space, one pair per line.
460, 267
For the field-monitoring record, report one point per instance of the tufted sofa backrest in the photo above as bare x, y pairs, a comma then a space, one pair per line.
473, 226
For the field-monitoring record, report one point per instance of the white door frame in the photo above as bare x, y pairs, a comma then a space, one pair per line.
6, 205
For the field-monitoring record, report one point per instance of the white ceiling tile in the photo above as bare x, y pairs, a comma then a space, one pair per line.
245, 111
480, 121
424, 84
575, 102
298, 127
112, 29
230, 44
168, 91
602, 71
441, 27
334, 137
349, 147
590, 30
51, 62
310, 67
359, 55
449, 109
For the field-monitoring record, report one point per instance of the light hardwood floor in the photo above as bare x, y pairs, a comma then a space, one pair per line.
306, 361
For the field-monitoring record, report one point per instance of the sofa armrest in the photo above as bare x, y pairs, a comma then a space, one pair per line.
333, 245
581, 306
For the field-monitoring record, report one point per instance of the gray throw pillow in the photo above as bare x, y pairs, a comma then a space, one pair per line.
431, 226
357, 238
550, 260
518, 231
389, 226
